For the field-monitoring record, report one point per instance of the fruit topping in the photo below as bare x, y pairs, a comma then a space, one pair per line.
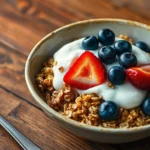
107, 54
122, 46
139, 76
108, 111
146, 106
86, 72
106, 37
143, 46
90, 43
128, 60
116, 75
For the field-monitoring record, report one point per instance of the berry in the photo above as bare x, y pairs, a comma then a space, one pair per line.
128, 60
116, 75
122, 46
90, 43
143, 46
86, 72
139, 76
107, 54
106, 37
146, 106
108, 111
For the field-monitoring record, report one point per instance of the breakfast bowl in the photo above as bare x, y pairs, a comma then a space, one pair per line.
46, 48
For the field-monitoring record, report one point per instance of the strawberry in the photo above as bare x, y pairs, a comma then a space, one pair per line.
86, 72
140, 76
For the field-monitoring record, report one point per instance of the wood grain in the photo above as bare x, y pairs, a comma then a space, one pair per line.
34, 124
29, 20
6, 141
12, 72
22, 24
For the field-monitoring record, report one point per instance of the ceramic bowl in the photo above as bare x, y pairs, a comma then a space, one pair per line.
46, 47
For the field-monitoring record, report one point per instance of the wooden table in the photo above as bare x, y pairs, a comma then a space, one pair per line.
22, 24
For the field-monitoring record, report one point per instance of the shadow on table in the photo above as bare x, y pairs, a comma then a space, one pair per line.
143, 144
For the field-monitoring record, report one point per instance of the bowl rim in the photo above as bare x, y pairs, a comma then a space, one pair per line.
54, 113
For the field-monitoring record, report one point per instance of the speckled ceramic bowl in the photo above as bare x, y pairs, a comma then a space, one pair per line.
46, 47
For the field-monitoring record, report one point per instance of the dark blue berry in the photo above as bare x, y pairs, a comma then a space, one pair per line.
116, 75
128, 60
108, 111
106, 37
90, 43
107, 54
146, 106
122, 46
143, 46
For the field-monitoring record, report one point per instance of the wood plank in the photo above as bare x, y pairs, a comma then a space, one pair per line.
34, 124
12, 72
7, 142
17, 28
109, 9
139, 7
30, 20
7, 105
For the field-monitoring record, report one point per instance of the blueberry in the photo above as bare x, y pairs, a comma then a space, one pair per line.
146, 106
107, 54
90, 43
108, 111
128, 60
143, 46
122, 46
116, 75
106, 37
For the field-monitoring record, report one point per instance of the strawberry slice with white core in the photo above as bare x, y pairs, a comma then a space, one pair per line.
86, 72
140, 76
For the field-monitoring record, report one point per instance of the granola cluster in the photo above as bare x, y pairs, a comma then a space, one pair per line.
60, 99
84, 108
124, 37
127, 119
45, 78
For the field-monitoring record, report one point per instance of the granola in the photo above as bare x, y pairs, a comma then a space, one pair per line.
84, 108
124, 37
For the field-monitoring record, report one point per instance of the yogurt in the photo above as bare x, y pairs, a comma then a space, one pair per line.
126, 95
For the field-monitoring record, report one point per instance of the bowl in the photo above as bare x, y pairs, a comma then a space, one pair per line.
51, 43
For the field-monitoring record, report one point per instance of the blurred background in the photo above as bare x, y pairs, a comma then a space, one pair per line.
32, 19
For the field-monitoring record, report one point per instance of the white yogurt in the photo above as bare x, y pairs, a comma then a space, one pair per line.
125, 95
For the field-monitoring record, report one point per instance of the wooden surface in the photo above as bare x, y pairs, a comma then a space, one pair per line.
22, 24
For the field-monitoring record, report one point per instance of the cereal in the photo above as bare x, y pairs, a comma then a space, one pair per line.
124, 37
109, 84
45, 78
84, 108
55, 63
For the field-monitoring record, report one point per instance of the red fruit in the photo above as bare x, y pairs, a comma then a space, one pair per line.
140, 76
86, 72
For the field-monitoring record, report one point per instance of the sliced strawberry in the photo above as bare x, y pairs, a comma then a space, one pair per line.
86, 72
140, 76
